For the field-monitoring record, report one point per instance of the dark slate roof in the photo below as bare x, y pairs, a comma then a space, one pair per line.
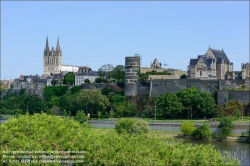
219, 60
206, 62
89, 74
220, 53
193, 62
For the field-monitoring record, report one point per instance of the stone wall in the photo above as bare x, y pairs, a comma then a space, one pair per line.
199, 84
230, 84
160, 87
224, 96
164, 77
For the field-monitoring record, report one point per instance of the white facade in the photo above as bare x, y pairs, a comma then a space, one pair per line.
79, 79
70, 68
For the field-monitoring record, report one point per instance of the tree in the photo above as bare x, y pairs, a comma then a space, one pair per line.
202, 132
187, 128
69, 78
98, 80
226, 124
54, 82
81, 117
105, 70
118, 73
33, 104
183, 76
169, 104
199, 103
95, 99
87, 81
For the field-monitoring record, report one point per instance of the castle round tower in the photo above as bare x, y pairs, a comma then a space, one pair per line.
132, 65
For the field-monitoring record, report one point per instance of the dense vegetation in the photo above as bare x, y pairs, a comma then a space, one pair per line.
144, 76
42, 132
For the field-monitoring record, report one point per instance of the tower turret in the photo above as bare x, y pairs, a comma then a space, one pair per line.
46, 50
58, 49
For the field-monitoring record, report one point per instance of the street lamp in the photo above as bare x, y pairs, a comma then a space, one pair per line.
155, 111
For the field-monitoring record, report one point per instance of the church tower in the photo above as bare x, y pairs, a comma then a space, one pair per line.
52, 59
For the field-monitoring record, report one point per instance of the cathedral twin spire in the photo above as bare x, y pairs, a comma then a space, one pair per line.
58, 49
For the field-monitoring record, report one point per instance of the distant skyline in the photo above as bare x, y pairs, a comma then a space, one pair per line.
105, 32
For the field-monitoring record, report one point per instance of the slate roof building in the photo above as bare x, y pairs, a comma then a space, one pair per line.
213, 65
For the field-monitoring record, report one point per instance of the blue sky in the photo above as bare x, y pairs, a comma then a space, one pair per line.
97, 33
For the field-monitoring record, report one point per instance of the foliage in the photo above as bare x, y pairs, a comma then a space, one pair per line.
33, 104
226, 124
100, 80
75, 89
201, 103
202, 132
96, 100
54, 82
117, 99
86, 81
69, 78
140, 126
124, 126
231, 108
187, 128
104, 71
144, 76
183, 76
99, 114
52, 133
118, 73
81, 117
169, 104
58, 91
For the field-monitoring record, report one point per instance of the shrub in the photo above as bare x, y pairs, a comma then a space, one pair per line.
202, 132
226, 125
140, 126
87, 81
124, 126
187, 128
81, 117
248, 132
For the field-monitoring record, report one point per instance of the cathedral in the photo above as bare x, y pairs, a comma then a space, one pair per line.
52, 59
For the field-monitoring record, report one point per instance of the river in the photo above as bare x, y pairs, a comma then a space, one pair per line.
241, 150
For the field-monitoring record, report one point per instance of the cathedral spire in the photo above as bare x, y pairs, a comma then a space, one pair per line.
46, 50
58, 49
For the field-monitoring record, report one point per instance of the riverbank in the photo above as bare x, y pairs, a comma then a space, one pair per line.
178, 135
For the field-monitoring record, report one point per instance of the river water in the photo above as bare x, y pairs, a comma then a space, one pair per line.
236, 149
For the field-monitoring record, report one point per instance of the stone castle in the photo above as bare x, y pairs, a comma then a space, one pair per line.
213, 65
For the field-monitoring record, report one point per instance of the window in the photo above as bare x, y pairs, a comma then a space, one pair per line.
200, 73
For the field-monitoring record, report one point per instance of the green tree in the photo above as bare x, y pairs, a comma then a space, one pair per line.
54, 82
33, 104
81, 117
183, 76
98, 80
140, 126
169, 104
118, 73
202, 132
187, 128
69, 78
226, 125
96, 101
75, 89
124, 126
104, 71
87, 81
